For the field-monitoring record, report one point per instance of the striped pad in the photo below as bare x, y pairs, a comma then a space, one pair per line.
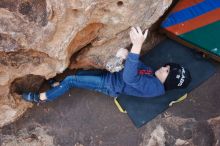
196, 22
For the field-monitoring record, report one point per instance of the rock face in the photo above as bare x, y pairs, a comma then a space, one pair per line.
38, 39
37, 137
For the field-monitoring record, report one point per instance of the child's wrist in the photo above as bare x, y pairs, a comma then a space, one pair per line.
137, 46
136, 49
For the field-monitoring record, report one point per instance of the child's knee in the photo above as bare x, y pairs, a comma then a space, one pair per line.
68, 79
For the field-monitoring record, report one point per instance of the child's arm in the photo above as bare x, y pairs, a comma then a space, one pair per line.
130, 74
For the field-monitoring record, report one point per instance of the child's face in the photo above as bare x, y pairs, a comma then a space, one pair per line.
162, 73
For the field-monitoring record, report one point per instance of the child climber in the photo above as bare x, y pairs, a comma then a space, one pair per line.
135, 79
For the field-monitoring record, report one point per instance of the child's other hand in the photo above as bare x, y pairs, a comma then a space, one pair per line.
137, 37
122, 53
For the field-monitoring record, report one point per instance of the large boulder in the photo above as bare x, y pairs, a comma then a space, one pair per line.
39, 38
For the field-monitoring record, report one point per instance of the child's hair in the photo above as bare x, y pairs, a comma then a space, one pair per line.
178, 77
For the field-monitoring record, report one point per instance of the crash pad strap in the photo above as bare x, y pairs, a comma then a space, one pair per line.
119, 106
170, 104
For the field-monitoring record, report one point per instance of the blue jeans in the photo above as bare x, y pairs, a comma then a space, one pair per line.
90, 79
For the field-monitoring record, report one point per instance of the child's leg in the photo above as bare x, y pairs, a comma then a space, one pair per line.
93, 81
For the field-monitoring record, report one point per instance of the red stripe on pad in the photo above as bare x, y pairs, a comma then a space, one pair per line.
183, 4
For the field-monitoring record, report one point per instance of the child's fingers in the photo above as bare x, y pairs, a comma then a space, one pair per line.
145, 33
134, 30
131, 33
139, 30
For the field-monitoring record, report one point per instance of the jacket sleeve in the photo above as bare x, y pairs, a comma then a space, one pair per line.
144, 66
130, 73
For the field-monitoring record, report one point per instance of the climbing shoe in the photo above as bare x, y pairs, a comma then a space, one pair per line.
31, 97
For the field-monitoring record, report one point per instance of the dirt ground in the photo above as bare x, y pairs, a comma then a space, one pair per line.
86, 118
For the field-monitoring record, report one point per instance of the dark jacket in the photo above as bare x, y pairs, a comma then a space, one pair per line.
130, 82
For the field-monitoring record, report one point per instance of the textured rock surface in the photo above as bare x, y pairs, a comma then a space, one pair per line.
36, 136
38, 38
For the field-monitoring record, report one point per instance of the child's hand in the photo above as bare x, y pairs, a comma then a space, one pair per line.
122, 53
137, 37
